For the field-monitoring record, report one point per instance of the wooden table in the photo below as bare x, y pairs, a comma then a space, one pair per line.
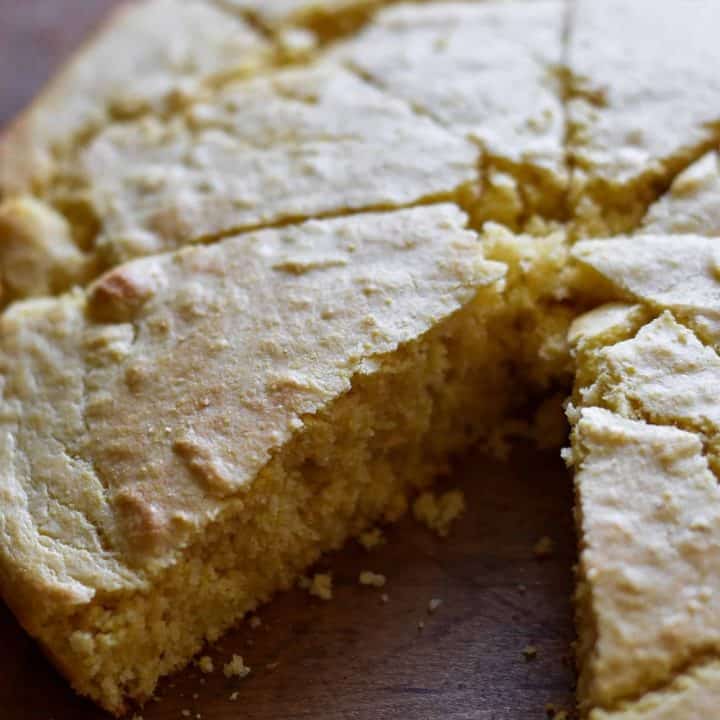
355, 658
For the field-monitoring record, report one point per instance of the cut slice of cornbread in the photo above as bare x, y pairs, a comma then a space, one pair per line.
694, 695
644, 103
692, 205
186, 437
648, 512
476, 69
293, 144
149, 56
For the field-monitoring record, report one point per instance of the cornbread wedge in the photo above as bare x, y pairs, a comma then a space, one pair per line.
181, 440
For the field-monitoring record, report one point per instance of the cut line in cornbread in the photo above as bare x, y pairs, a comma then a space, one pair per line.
644, 103
291, 145
476, 69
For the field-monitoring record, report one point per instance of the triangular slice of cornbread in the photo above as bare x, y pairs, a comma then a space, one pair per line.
184, 438
648, 511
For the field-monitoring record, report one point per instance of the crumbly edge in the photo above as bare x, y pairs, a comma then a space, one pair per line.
455, 384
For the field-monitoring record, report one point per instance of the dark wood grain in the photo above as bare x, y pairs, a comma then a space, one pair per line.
354, 657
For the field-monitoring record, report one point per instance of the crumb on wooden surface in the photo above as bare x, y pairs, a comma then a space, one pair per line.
321, 586
371, 539
236, 668
255, 622
371, 579
530, 652
206, 665
438, 512
434, 605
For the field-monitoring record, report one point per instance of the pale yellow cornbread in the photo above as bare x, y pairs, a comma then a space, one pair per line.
149, 56
455, 62
643, 103
316, 249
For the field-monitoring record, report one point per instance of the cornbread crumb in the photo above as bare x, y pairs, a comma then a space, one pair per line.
255, 622
236, 668
384, 598
439, 512
321, 586
434, 605
206, 664
420, 626
185, 713
543, 548
371, 539
372, 579
234, 696
271, 666
530, 652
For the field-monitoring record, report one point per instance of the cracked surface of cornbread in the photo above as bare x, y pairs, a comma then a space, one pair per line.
265, 274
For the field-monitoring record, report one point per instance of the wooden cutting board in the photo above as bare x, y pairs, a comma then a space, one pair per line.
354, 657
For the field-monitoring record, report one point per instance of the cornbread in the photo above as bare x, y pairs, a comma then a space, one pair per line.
149, 56
692, 205
644, 415
265, 274
277, 148
692, 695
455, 62
644, 102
